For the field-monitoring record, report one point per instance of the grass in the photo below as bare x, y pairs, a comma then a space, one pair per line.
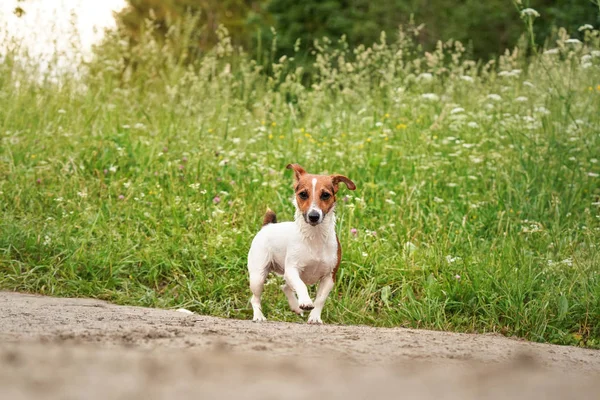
477, 208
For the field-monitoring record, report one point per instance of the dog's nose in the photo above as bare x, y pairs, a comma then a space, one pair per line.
313, 216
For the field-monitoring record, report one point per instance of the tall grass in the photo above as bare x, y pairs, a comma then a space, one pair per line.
141, 178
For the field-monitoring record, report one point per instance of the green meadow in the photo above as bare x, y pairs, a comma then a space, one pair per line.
140, 177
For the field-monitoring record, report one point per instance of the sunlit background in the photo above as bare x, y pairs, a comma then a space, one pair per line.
58, 27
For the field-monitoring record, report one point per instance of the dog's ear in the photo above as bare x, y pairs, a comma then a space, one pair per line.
298, 170
336, 179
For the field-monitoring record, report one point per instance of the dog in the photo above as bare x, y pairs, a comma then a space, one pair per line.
305, 251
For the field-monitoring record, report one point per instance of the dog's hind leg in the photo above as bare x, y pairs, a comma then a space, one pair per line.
292, 300
257, 283
258, 268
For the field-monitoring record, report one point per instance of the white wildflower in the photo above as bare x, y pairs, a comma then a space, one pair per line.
61, 111
521, 99
47, 240
467, 78
451, 184
83, 194
126, 126
595, 53
438, 200
567, 261
530, 12
586, 27
390, 201
593, 174
494, 97
457, 110
113, 169
364, 254
551, 51
573, 41
194, 186
451, 259
127, 184
430, 96
528, 84
410, 247
425, 76
473, 125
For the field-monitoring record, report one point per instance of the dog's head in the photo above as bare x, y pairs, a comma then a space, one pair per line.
315, 194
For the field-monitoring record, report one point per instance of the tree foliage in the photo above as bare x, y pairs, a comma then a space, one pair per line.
487, 28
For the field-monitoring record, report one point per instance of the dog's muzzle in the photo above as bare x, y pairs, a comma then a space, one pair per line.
313, 217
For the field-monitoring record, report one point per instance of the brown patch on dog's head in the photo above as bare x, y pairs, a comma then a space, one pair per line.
315, 194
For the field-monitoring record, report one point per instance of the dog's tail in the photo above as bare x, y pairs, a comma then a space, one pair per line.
270, 217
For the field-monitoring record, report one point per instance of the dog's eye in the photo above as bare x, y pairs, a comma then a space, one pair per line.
303, 195
325, 196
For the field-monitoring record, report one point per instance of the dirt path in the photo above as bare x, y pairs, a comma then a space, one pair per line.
74, 348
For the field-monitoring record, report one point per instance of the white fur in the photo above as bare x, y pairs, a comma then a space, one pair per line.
303, 254
314, 206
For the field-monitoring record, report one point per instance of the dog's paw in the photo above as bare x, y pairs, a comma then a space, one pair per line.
306, 306
314, 320
259, 318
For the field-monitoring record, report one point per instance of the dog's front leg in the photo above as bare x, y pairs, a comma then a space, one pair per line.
292, 278
325, 287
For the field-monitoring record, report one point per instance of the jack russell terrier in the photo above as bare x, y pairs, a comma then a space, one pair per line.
305, 251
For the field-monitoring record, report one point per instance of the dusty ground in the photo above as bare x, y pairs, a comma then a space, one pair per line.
53, 348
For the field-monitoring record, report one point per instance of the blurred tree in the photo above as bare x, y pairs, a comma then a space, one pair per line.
485, 27
238, 16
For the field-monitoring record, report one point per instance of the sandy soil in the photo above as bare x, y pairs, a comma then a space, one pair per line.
53, 348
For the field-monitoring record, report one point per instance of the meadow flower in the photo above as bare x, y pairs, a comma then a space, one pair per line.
112, 169
551, 51
494, 97
457, 110
390, 201
83, 194
473, 124
573, 41
457, 277
467, 78
586, 27
425, 76
521, 99
430, 96
216, 200
530, 12
61, 111
354, 231
410, 247
593, 174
